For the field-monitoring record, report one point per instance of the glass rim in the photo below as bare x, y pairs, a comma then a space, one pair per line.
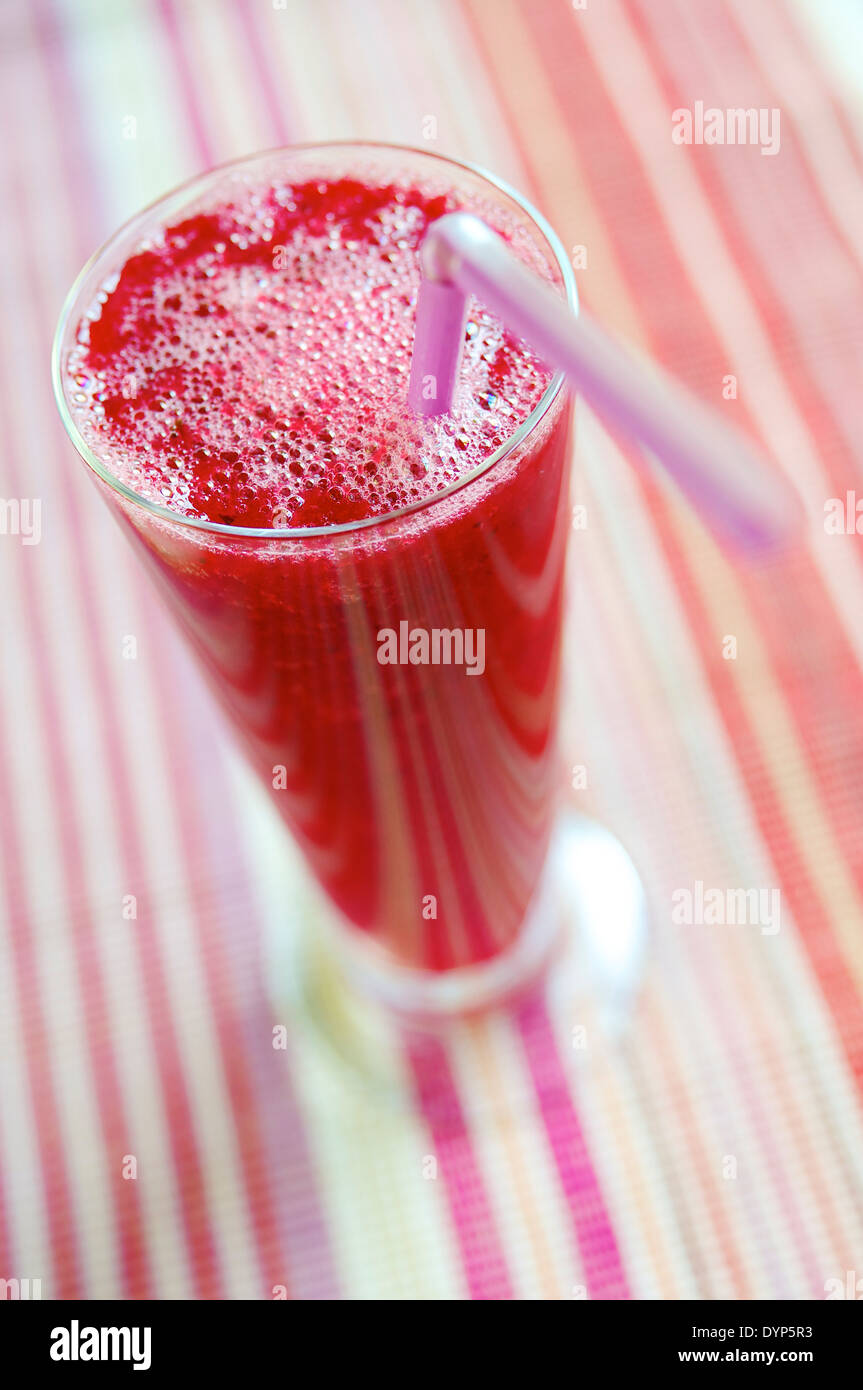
184, 191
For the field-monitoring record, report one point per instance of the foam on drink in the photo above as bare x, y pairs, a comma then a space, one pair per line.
249, 364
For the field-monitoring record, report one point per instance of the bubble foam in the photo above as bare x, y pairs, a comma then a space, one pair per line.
249, 364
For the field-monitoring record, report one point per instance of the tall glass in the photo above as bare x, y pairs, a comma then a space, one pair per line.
394, 681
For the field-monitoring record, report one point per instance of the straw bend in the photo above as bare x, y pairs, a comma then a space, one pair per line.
711, 460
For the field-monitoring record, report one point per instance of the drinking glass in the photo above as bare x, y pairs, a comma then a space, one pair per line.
421, 789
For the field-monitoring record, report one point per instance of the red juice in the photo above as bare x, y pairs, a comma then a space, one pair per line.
391, 663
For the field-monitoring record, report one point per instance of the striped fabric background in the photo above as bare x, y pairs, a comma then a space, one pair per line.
713, 1149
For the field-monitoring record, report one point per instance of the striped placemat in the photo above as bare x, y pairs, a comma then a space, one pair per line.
153, 1140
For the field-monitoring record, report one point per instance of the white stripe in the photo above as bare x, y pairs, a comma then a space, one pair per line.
228, 90
459, 73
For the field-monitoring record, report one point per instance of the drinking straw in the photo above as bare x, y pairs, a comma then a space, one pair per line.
711, 460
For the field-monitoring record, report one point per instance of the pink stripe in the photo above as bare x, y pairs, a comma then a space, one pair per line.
596, 1239
90, 982
179, 1121
280, 123
7, 1254
67, 1276
185, 83
67, 1280
481, 1251
114, 1125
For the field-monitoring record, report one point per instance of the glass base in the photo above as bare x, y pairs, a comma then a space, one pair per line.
585, 935
424, 996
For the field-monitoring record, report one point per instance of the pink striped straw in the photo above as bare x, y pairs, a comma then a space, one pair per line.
713, 463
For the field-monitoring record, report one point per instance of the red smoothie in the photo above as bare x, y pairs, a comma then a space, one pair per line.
243, 372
